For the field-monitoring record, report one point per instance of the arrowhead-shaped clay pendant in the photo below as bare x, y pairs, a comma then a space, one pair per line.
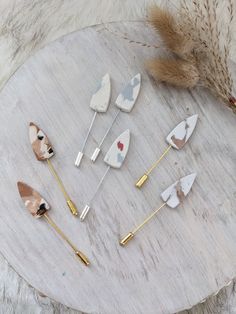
101, 98
40, 143
127, 98
182, 132
33, 201
176, 193
118, 150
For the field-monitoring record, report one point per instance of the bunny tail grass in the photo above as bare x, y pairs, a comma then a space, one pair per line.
167, 27
179, 73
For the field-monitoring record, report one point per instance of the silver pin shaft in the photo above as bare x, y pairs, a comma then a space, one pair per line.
88, 206
98, 149
81, 152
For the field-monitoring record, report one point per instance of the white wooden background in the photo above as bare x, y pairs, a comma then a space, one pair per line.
183, 255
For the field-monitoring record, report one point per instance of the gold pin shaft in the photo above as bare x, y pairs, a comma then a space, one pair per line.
69, 202
144, 177
131, 234
82, 257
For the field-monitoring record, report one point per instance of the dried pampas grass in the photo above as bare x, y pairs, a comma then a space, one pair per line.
180, 73
167, 27
200, 46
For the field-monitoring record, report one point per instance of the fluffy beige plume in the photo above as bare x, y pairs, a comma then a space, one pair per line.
167, 27
179, 72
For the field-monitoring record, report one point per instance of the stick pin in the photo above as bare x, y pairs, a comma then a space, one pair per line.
172, 197
43, 151
177, 138
114, 159
38, 207
99, 103
124, 102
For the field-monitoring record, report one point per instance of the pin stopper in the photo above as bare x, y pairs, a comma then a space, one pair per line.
84, 212
78, 159
95, 154
82, 257
141, 181
126, 239
72, 207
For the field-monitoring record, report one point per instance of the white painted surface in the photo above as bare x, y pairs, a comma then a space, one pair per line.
186, 254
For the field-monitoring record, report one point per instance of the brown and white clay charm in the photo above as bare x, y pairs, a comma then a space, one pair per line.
40, 143
173, 196
43, 151
33, 201
38, 207
176, 139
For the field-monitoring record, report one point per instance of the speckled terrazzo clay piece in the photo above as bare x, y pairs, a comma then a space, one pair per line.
40, 143
101, 97
176, 193
99, 103
179, 136
127, 98
118, 150
33, 201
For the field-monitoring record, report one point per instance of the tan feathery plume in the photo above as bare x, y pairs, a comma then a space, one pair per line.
179, 72
166, 25
201, 46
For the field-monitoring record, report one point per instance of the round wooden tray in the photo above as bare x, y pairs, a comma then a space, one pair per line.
182, 255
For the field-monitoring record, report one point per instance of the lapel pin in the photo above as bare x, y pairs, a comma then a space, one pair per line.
124, 102
172, 197
114, 159
43, 151
99, 103
38, 207
177, 138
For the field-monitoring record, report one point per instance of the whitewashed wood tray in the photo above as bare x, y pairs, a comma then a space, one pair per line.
183, 255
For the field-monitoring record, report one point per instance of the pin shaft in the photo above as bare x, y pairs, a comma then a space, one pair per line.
158, 161
81, 152
144, 177
82, 257
69, 202
131, 234
99, 184
89, 131
87, 206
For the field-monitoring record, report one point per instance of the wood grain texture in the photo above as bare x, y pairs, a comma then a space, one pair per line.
18, 297
183, 255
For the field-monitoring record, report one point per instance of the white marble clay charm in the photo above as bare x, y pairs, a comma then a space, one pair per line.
43, 151
38, 207
177, 138
173, 196
99, 103
114, 159
124, 102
